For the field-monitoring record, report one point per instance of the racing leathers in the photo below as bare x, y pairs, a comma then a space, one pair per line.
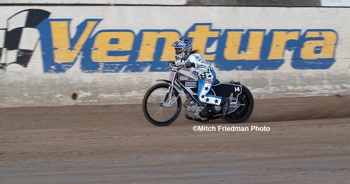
196, 64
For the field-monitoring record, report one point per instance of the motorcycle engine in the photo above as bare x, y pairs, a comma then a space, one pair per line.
193, 107
216, 108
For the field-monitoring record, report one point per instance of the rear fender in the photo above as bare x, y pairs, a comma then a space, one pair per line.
226, 89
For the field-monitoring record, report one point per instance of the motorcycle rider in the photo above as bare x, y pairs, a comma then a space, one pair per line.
206, 76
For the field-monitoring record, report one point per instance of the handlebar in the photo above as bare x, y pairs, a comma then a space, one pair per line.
173, 67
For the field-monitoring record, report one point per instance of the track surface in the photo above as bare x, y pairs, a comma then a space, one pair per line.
308, 142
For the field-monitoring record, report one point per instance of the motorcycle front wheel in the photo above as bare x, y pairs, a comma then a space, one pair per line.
156, 105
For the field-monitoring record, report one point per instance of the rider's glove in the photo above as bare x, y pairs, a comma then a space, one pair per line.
179, 62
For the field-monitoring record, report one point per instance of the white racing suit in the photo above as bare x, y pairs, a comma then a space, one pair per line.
206, 77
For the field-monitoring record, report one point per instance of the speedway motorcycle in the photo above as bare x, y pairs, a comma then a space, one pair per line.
162, 103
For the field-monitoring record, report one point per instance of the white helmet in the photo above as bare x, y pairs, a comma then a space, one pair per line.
182, 48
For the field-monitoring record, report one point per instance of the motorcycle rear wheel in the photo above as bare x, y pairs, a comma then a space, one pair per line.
245, 107
153, 105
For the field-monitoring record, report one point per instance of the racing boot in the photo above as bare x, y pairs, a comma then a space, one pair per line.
225, 103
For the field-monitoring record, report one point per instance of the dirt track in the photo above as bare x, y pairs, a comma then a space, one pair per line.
308, 142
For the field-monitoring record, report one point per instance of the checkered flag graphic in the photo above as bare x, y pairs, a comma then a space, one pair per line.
20, 38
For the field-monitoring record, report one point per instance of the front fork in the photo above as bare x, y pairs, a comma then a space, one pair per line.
168, 99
